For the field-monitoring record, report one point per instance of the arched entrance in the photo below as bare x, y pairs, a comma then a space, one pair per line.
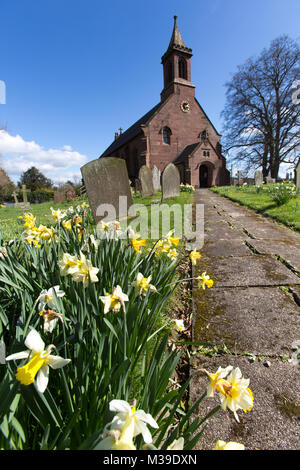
204, 176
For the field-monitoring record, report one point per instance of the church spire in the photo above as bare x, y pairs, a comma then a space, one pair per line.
176, 42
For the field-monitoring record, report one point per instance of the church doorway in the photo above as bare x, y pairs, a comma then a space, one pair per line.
203, 176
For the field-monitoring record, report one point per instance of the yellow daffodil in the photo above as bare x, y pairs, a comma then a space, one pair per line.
126, 414
85, 272
67, 225
68, 264
38, 365
214, 378
142, 284
137, 244
194, 255
235, 393
204, 281
171, 240
114, 301
222, 445
172, 254
57, 215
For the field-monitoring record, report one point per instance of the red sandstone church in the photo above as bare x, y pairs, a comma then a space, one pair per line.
176, 130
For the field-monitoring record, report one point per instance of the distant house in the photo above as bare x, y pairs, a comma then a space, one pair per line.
176, 130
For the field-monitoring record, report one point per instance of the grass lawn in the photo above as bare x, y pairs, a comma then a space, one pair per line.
261, 202
11, 226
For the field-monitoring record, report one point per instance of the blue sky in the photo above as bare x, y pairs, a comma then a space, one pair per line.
75, 71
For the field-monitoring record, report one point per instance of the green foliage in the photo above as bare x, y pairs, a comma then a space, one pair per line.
124, 355
34, 179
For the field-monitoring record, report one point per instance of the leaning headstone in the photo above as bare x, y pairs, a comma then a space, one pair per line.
297, 172
156, 178
170, 182
258, 176
146, 179
106, 182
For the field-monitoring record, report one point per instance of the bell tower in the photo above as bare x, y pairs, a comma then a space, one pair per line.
176, 65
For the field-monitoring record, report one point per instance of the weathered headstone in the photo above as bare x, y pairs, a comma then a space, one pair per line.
170, 182
156, 178
106, 181
297, 173
258, 176
270, 180
146, 179
59, 196
137, 185
239, 178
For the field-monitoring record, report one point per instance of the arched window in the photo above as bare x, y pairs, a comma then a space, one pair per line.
169, 72
167, 135
182, 69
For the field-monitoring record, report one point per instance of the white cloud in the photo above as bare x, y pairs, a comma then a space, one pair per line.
56, 164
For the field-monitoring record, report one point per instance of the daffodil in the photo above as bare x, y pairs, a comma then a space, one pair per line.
172, 254
142, 284
177, 444
38, 365
85, 272
68, 264
222, 445
137, 244
214, 378
172, 240
126, 414
204, 281
67, 225
47, 297
114, 301
194, 255
179, 325
50, 319
57, 215
118, 439
235, 393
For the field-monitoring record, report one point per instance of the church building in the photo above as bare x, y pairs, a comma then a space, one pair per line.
176, 130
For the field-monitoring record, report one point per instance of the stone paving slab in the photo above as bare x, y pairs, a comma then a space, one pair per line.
259, 320
250, 271
290, 252
222, 231
274, 421
222, 248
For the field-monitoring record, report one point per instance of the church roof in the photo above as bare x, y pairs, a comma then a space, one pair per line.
131, 132
186, 152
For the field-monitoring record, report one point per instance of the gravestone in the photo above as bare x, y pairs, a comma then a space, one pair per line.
270, 180
146, 179
258, 176
106, 182
297, 173
239, 181
59, 196
25, 204
156, 178
170, 182
137, 186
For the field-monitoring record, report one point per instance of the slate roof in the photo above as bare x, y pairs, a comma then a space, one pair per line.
188, 149
131, 132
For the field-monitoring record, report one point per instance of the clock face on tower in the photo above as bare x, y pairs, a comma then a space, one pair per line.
185, 106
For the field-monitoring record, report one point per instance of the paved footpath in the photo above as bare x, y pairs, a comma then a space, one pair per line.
252, 316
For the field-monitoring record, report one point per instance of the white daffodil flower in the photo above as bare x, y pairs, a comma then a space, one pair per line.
177, 444
126, 413
47, 297
179, 325
40, 360
114, 301
142, 284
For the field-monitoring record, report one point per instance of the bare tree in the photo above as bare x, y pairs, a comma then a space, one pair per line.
261, 121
